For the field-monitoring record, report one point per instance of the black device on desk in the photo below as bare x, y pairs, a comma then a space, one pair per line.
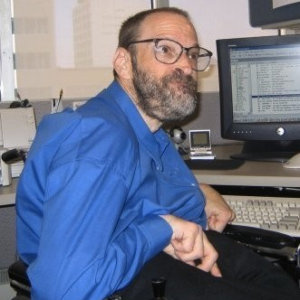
260, 95
213, 164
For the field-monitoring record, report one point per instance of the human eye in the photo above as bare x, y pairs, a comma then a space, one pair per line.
193, 54
165, 48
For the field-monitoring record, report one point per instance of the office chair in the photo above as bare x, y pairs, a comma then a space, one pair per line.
19, 280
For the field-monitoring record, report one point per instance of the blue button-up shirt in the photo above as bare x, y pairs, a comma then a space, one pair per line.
90, 197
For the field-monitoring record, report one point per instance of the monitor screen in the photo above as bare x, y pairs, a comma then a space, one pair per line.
199, 139
259, 81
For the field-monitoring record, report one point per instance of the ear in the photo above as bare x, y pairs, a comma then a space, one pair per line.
122, 63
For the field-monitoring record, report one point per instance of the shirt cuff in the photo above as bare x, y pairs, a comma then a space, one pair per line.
158, 234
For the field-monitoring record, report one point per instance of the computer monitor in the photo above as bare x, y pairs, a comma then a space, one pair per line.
274, 14
259, 80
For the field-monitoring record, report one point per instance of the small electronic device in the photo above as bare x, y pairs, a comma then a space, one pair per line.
200, 145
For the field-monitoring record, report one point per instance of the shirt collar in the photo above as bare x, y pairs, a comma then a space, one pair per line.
155, 143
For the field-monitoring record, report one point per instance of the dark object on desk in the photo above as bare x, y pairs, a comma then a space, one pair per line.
14, 155
213, 164
21, 103
177, 135
264, 156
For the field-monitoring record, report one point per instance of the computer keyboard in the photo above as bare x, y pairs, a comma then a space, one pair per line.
279, 214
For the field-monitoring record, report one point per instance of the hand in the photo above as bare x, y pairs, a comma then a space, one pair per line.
190, 244
217, 210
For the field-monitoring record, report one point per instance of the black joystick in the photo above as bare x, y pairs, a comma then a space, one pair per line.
158, 287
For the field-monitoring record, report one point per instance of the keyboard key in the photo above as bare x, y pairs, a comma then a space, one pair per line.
294, 211
256, 225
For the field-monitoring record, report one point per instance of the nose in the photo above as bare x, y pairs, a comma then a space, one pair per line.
185, 64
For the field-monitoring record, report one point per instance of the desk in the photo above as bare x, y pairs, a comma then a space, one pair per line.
251, 173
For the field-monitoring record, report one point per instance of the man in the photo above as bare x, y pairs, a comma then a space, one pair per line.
104, 192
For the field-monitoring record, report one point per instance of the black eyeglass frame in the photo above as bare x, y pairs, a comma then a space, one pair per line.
186, 49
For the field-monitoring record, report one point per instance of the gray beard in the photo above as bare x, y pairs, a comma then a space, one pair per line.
160, 100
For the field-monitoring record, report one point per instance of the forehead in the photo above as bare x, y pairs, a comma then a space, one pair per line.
169, 25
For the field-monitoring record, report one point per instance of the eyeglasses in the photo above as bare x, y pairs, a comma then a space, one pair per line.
168, 52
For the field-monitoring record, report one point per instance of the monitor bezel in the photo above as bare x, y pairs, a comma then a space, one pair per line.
264, 14
259, 131
206, 146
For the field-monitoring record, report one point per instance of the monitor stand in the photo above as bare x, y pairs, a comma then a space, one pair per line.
278, 151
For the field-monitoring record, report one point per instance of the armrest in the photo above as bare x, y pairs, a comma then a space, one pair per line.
266, 241
18, 277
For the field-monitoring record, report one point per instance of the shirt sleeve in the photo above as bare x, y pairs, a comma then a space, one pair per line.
84, 253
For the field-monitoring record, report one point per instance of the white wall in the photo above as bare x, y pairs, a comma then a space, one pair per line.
218, 19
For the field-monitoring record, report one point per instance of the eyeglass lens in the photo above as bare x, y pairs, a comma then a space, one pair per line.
168, 52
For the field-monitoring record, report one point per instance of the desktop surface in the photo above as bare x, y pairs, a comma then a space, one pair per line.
249, 173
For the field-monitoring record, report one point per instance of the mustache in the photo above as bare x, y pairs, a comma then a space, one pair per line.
178, 76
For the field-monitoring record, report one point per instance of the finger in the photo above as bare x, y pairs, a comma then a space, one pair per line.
215, 271
190, 241
210, 256
233, 215
170, 250
191, 263
184, 245
196, 252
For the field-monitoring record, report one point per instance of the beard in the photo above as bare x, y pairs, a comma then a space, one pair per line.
170, 98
